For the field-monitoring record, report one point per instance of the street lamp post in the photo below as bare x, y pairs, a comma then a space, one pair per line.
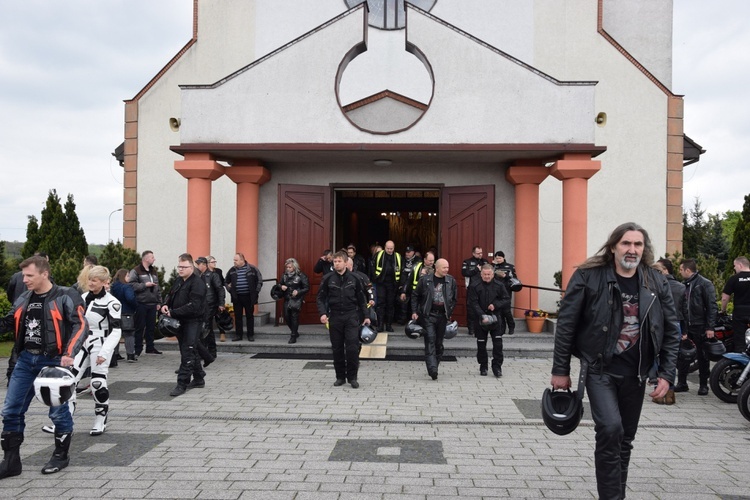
109, 224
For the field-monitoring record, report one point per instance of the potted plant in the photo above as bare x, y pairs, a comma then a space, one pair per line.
535, 319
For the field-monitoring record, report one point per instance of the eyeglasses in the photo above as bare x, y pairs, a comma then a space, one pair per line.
212, 262
184, 267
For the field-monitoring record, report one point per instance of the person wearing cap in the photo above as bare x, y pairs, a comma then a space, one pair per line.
470, 270
504, 271
411, 259
215, 297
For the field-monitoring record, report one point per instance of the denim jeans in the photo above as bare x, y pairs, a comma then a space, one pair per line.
21, 392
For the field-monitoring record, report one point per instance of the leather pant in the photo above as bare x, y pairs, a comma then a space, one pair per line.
497, 346
343, 330
616, 403
434, 326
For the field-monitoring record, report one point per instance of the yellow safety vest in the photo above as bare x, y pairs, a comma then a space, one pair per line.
379, 264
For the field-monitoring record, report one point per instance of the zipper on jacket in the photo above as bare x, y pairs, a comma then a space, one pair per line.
640, 344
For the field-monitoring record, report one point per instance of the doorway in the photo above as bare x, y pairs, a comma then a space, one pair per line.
405, 216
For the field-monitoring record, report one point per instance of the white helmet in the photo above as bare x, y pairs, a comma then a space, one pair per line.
54, 385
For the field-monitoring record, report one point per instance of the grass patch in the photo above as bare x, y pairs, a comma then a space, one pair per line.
5, 348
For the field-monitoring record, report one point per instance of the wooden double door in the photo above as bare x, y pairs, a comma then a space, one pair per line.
305, 229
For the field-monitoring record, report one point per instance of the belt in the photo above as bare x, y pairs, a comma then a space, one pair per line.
35, 352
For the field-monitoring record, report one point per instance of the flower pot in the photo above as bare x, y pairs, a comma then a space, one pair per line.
535, 324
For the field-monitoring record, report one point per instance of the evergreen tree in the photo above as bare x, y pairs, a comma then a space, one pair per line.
5, 273
65, 268
32, 238
75, 238
741, 241
115, 256
694, 230
715, 244
52, 233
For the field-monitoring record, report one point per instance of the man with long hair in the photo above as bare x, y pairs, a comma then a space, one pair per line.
617, 316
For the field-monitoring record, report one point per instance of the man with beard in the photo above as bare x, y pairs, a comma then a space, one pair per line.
618, 317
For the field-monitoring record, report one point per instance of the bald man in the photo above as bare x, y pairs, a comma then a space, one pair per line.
432, 306
386, 276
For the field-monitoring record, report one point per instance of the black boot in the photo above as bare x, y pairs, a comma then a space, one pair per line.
11, 444
59, 458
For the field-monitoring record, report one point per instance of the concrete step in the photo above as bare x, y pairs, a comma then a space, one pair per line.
314, 340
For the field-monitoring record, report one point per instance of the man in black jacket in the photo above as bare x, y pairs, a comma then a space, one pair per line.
432, 304
50, 327
618, 317
700, 317
488, 298
215, 297
187, 303
342, 305
470, 270
504, 271
145, 282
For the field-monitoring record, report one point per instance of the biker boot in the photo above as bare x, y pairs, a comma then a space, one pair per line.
100, 420
59, 458
11, 445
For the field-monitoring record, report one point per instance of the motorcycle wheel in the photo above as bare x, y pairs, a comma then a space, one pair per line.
723, 379
743, 400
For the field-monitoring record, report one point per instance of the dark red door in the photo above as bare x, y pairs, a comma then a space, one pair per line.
467, 218
304, 232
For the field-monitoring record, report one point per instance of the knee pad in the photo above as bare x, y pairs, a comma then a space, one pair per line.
100, 391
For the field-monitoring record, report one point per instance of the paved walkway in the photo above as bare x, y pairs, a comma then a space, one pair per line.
277, 429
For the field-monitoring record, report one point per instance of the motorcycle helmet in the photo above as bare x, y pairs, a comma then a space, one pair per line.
276, 292
714, 349
169, 327
488, 321
515, 285
561, 411
54, 385
367, 334
451, 329
224, 320
414, 330
688, 352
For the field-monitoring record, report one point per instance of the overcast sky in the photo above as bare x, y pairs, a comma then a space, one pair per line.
66, 68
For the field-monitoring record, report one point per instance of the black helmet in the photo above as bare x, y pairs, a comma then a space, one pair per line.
367, 334
54, 385
515, 285
714, 349
561, 411
169, 327
414, 330
488, 321
451, 329
276, 292
687, 352
224, 320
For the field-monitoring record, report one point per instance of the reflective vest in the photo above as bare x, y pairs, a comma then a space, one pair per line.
379, 264
415, 274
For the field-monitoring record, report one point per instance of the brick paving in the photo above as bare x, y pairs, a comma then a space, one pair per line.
278, 429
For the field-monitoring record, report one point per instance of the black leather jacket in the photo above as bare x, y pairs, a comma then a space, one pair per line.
215, 294
481, 295
297, 281
700, 303
187, 299
472, 269
65, 325
591, 317
421, 298
341, 294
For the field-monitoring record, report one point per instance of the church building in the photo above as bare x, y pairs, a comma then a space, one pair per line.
286, 127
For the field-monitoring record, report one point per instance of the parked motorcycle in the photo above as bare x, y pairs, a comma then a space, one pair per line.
730, 372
